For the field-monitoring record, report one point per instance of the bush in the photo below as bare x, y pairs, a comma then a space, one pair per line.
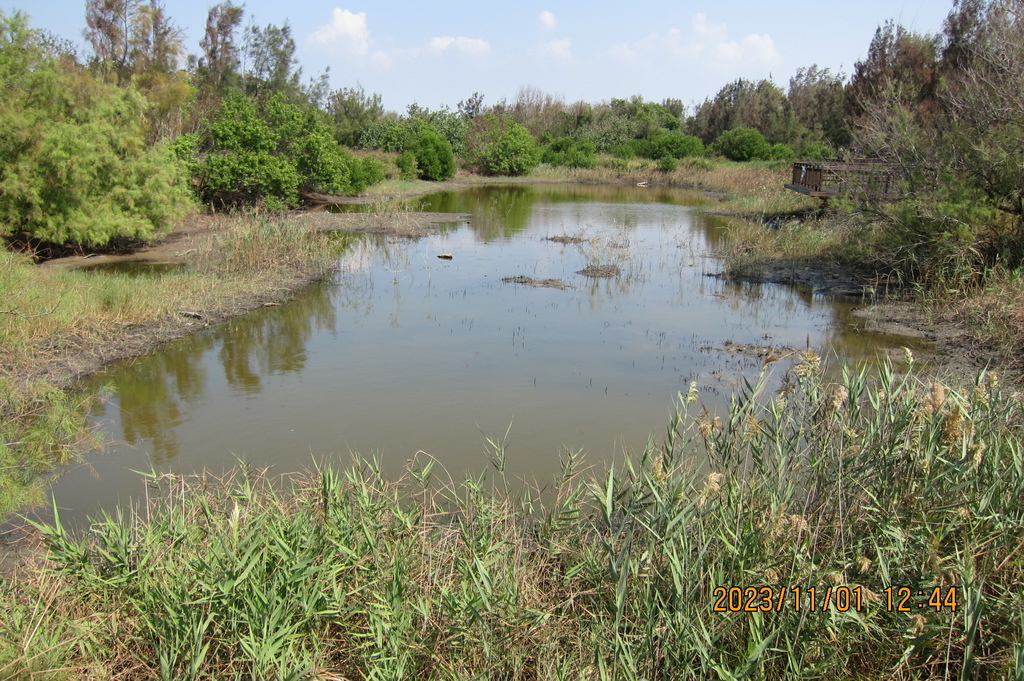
781, 152
75, 166
667, 164
366, 172
497, 145
270, 153
625, 151
565, 151
386, 134
674, 144
434, 158
818, 151
406, 163
743, 144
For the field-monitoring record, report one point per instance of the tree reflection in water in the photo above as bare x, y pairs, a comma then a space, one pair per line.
163, 387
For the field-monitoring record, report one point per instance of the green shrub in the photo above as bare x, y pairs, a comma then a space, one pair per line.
625, 151
743, 144
667, 164
781, 152
366, 172
406, 163
75, 165
434, 158
674, 144
817, 151
321, 163
498, 145
250, 176
386, 134
269, 153
565, 151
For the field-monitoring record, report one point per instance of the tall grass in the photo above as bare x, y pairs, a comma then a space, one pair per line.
750, 189
751, 248
866, 483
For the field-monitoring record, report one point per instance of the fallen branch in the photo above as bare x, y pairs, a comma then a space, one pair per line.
28, 316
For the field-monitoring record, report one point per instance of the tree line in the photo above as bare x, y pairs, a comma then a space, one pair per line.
116, 143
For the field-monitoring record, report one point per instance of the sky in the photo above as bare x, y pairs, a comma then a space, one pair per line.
439, 53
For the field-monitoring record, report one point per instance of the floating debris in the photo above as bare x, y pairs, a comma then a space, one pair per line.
536, 283
444, 256
600, 271
765, 353
562, 239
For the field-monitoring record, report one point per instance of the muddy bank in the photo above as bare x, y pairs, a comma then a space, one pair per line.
955, 352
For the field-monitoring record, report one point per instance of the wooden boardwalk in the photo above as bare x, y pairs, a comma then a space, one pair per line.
825, 179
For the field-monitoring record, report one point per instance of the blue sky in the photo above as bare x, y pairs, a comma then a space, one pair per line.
440, 52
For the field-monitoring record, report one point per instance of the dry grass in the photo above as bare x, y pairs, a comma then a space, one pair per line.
745, 189
995, 315
752, 248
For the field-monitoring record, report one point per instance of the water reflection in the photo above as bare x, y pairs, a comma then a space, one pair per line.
158, 393
406, 352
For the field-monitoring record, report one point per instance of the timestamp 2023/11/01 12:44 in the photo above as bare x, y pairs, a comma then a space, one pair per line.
822, 599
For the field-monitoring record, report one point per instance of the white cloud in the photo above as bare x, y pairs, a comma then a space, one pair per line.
345, 30
704, 32
623, 52
707, 43
471, 46
559, 49
758, 48
547, 21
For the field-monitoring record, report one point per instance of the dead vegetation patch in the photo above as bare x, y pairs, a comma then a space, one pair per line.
563, 239
599, 271
764, 353
409, 224
536, 283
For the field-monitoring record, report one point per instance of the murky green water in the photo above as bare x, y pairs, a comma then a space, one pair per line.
405, 352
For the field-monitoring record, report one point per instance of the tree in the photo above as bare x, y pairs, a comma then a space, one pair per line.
743, 103
273, 67
109, 32
74, 163
352, 110
818, 101
131, 38
536, 110
472, 106
891, 100
219, 65
899, 64
983, 59
157, 44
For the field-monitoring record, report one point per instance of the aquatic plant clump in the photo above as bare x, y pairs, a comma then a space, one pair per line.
876, 520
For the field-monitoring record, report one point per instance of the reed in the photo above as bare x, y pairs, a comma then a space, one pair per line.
852, 485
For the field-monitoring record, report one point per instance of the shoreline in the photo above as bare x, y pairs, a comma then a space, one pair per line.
956, 350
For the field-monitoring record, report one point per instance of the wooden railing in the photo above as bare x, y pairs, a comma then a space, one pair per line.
825, 179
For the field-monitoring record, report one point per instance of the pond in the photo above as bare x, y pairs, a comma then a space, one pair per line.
405, 351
